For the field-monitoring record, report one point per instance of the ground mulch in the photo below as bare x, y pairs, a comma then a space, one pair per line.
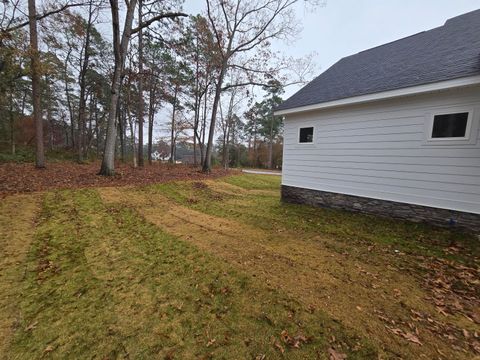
24, 178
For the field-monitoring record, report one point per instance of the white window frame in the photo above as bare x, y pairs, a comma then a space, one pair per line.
313, 135
471, 129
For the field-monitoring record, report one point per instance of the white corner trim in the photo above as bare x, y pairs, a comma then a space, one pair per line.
441, 85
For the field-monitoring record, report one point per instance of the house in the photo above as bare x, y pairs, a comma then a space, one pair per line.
393, 130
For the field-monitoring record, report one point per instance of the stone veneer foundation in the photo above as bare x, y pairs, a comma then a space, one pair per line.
410, 212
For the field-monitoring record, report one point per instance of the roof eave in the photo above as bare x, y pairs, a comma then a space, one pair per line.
413, 90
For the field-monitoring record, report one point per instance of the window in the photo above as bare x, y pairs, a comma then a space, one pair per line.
306, 135
450, 125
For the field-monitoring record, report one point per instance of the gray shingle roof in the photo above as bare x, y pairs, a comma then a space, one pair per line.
448, 52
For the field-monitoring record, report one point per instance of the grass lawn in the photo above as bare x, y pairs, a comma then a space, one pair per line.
221, 269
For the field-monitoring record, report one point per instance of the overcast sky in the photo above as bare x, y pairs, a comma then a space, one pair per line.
345, 27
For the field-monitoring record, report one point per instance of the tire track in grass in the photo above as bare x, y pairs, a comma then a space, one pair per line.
17, 227
102, 282
311, 273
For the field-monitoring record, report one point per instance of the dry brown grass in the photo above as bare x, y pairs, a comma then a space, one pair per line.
17, 226
206, 267
102, 282
368, 289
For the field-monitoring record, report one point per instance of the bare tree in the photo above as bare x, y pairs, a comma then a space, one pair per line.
173, 125
228, 122
120, 47
152, 107
15, 19
140, 85
35, 70
199, 51
82, 81
247, 27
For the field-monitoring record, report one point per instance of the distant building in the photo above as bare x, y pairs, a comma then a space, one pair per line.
156, 156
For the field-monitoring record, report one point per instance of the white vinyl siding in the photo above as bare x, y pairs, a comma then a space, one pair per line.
378, 150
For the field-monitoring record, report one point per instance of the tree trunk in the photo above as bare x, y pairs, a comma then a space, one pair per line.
172, 135
270, 145
132, 138
196, 106
69, 101
50, 135
224, 150
227, 132
92, 112
204, 126
194, 149
121, 132
207, 165
97, 139
37, 111
239, 153
255, 152
140, 86
97, 125
224, 125
151, 116
227, 150
82, 81
12, 123
120, 50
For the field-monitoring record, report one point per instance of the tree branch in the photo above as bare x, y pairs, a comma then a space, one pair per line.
42, 16
157, 18
258, 83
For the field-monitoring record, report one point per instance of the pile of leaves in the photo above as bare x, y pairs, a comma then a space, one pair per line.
453, 290
291, 341
23, 178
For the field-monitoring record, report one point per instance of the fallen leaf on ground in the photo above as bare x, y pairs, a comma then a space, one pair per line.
335, 355
294, 341
48, 349
211, 342
279, 347
23, 178
412, 338
31, 326
406, 335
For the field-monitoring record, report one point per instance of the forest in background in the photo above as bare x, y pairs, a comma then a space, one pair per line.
141, 81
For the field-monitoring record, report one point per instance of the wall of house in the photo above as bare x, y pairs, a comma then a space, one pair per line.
379, 150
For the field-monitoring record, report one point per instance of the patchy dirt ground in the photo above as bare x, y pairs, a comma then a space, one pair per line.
23, 178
